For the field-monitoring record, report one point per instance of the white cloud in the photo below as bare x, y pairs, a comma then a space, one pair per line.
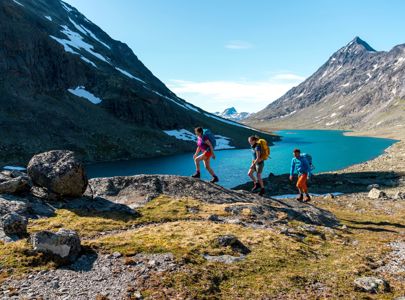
249, 96
237, 45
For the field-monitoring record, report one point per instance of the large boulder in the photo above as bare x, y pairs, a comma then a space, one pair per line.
64, 243
371, 285
12, 227
376, 194
59, 171
14, 182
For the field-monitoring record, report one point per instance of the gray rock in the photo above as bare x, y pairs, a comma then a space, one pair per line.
59, 171
13, 182
14, 224
376, 194
132, 191
399, 196
64, 243
373, 186
233, 242
226, 259
371, 285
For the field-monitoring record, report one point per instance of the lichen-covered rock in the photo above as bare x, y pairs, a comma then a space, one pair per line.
371, 285
376, 194
59, 171
135, 191
14, 224
399, 196
13, 182
64, 243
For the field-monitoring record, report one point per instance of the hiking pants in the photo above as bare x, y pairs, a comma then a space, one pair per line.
302, 183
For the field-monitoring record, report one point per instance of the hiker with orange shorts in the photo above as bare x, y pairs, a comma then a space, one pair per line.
301, 165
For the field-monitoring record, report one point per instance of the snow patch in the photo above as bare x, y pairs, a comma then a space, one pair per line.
87, 32
333, 115
289, 114
346, 84
340, 107
48, 18
66, 7
76, 41
15, 1
129, 74
181, 134
332, 123
80, 91
223, 143
14, 168
290, 196
88, 61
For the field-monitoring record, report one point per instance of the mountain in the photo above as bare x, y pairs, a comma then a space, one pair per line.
232, 114
357, 88
64, 83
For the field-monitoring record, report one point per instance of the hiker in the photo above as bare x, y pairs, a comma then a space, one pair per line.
300, 164
205, 146
257, 163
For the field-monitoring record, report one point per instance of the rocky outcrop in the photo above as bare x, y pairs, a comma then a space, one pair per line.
371, 285
64, 243
14, 182
376, 194
136, 191
13, 226
59, 171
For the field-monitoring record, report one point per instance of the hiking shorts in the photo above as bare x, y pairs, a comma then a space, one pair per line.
208, 154
259, 167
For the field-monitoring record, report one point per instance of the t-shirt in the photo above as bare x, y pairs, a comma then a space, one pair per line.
201, 143
256, 147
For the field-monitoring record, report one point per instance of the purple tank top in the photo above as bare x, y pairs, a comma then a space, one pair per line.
202, 145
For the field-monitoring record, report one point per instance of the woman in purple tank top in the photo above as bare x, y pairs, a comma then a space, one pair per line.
203, 145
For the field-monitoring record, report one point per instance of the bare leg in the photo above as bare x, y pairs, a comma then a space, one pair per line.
259, 178
251, 175
208, 166
197, 162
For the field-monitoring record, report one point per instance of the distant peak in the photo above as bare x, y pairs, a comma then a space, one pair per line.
230, 111
358, 44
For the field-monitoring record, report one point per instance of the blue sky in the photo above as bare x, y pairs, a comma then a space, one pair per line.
242, 53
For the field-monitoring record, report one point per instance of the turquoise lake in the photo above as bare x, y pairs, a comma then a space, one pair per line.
331, 150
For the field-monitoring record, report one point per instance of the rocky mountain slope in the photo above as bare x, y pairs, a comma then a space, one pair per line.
64, 83
357, 88
232, 114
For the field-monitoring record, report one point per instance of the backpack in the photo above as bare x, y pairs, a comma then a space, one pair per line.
211, 137
308, 157
265, 150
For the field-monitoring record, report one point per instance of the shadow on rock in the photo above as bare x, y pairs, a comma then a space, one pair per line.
329, 182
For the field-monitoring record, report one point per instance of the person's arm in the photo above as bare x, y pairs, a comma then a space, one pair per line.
258, 156
211, 148
196, 152
292, 168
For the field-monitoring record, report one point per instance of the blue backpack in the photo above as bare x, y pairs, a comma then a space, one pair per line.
308, 157
211, 137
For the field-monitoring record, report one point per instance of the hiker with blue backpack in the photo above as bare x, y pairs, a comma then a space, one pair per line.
205, 143
260, 152
301, 165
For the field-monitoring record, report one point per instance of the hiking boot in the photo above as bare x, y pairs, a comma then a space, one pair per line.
262, 191
196, 175
214, 179
307, 198
255, 187
300, 197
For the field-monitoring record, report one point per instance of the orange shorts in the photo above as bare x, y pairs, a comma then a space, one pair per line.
208, 154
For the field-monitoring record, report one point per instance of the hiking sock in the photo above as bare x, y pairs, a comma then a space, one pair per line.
197, 174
